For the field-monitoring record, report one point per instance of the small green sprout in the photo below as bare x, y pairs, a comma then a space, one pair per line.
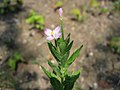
94, 3
104, 10
38, 21
98, 7
115, 44
58, 4
80, 15
94, 6
12, 62
116, 5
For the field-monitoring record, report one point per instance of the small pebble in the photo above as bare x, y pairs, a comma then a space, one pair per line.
45, 5
24, 41
16, 20
39, 44
82, 79
110, 17
1, 58
91, 54
52, 61
73, 28
32, 34
52, 26
95, 85
49, 57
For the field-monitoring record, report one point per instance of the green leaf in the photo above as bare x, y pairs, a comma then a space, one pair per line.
46, 72
31, 20
54, 52
115, 44
116, 5
73, 57
104, 10
117, 39
12, 8
79, 14
37, 26
33, 13
2, 11
62, 47
94, 3
69, 46
70, 80
58, 41
56, 83
55, 68
37, 20
76, 12
67, 40
12, 62
41, 20
37, 17
64, 58
58, 4
53, 80
17, 56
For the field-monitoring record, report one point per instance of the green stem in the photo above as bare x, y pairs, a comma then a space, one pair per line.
62, 81
62, 29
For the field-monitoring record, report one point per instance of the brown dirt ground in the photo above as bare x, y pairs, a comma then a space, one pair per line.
100, 66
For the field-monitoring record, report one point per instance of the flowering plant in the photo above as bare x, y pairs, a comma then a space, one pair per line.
60, 79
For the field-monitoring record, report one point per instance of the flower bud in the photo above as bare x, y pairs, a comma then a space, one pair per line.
60, 12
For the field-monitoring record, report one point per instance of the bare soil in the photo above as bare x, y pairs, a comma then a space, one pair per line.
100, 66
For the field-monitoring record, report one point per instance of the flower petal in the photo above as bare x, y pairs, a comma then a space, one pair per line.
50, 38
57, 30
58, 35
47, 32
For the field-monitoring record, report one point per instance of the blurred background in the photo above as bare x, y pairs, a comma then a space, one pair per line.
95, 24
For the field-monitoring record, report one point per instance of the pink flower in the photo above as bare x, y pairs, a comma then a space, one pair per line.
60, 12
53, 34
